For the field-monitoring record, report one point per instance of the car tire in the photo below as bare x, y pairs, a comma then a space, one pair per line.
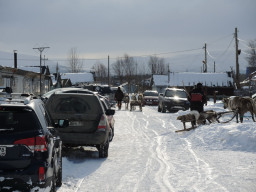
111, 134
103, 149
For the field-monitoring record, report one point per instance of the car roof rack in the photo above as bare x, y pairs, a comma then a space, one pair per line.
20, 100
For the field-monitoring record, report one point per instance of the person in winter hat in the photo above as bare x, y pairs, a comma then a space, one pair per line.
119, 95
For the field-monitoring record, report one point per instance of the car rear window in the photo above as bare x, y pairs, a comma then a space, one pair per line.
75, 104
17, 119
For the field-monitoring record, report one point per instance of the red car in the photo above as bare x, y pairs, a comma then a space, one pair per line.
110, 117
150, 97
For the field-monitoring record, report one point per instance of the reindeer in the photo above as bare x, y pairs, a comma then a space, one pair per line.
241, 105
136, 101
126, 100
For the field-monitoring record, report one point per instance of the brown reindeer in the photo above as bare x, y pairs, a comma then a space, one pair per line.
241, 105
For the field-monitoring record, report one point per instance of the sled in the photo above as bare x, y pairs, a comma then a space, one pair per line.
227, 116
187, 129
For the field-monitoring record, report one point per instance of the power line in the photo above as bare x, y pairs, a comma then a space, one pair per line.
105, 58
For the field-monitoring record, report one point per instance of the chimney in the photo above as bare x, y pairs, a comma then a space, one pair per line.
15, 58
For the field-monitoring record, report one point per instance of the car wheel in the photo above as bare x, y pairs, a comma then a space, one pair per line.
111, 134
103, 149
59, 175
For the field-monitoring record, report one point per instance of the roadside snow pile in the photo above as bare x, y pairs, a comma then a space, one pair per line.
240, 137
235, 136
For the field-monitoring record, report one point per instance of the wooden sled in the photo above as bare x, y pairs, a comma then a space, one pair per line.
187, 129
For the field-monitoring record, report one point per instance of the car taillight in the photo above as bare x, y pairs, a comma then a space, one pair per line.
41, 174
34, 143
103, 123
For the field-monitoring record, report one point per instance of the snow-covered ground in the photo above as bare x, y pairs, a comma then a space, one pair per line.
147, 155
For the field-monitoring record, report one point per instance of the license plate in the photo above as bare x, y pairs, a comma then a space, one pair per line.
75, 123
2, 151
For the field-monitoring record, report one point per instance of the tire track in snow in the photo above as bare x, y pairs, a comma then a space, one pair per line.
139, 139
202, 168
161, 176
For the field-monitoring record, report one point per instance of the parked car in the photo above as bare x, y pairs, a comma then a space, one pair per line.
173, 100
110, 117
46, 96
88, 122
150, 97
104, 90
30, 150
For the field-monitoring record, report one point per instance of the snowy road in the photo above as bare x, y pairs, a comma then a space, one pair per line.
147, 155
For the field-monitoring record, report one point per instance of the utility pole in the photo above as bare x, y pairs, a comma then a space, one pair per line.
41, 49
205, 59
168, 74
238, 51
108, 71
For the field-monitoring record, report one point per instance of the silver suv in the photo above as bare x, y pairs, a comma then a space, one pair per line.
88, 122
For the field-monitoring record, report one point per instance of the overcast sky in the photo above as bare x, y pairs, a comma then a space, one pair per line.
98, 28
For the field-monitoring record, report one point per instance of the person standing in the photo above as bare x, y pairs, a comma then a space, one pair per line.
197, 98
119, 95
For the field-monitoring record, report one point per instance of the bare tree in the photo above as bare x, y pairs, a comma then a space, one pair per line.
118, 69
251, 53
74, 62
157, 65
125, 69
129, 66
100, 72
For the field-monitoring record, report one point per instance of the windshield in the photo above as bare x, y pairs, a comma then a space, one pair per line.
151, 93
176, 93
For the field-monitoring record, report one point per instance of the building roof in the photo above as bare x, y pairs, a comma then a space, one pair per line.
191, 79
78, 77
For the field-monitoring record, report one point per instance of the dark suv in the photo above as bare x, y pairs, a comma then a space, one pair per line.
103, 90
30, 152
173, 100
88, 122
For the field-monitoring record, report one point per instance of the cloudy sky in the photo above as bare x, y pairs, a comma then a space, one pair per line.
98, 28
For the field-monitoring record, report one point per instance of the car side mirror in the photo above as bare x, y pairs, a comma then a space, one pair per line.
110, 112
161, 94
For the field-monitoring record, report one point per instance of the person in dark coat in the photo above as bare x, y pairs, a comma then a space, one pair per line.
119, 95
197, 98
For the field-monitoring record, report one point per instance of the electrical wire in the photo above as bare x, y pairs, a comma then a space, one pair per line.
115, 58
